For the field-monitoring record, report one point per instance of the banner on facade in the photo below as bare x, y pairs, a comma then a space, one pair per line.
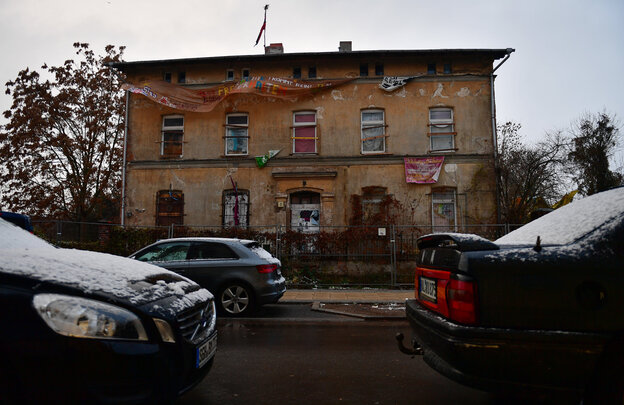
206, 99
261, 161
423, 170
391, 83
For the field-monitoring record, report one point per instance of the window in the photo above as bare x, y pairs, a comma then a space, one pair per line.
236, 134
312, 72
167, 77
296, 73
165, 252
229, 74
431, 68
236, 208
363, 69
172, 136
304, 132
443, 210
447, 69
181, 77
210, 251
441, 129
379, 69
372, 198
245, 74
169, 208
373, 129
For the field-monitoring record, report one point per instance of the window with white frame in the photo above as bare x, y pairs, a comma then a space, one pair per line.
304, 132
443, 210
172, 136
236, 208
236, 134
373, 130
441, 129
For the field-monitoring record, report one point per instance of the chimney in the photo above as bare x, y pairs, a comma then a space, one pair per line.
273, 49
345, 46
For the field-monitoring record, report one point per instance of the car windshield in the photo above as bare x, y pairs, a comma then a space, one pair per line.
571, 222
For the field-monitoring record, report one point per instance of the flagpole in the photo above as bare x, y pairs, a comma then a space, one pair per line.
266, 7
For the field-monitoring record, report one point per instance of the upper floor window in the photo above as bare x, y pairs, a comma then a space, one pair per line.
169, 208
312, 72
441, 129
167, 77
181, 77
229, 74
379, 69
297, 72
245, 74
236, 134
172, 136
373, 130
304, 132
448, 69
363, 69
236, 208
431, 68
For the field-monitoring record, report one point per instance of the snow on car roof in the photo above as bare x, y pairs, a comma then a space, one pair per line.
571, 222
22, 253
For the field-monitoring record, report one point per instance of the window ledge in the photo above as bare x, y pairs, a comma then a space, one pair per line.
435, 152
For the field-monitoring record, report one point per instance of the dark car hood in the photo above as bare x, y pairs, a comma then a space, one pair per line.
115, 278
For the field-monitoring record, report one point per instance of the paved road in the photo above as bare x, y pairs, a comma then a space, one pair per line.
322, 363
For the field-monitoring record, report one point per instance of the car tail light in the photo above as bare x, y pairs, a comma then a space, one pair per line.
266, 268
443, 293
461, 300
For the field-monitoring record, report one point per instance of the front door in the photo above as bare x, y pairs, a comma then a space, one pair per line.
305, 211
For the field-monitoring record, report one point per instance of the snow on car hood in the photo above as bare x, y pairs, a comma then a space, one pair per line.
23, 254
571, 222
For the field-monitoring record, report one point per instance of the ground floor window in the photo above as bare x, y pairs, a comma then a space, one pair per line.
443, 210
236, 208
169, 208
305, 209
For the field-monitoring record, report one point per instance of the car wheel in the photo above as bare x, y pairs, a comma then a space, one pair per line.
235, 299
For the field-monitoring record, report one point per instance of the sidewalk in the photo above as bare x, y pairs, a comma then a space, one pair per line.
346, 296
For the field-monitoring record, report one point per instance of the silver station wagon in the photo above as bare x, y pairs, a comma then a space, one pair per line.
240, 273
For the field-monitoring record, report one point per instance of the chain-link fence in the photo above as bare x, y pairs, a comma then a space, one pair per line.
375, 256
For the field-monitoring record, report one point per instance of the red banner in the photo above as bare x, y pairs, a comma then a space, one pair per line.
205, 100
423, 170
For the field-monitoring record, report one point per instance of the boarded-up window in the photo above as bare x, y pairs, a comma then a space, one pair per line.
372, 199
304, 132
443, 210
172, 136
169, 208
236, 208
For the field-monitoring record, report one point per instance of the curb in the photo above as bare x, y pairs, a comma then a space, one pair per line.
316, 306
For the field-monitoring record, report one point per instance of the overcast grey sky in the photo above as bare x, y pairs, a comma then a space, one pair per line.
569, 55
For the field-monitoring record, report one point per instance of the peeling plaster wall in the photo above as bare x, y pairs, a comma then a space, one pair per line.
203, 172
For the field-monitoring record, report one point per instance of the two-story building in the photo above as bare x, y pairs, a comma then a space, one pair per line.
353, 129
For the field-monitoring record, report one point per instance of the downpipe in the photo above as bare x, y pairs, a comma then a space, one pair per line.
416, 350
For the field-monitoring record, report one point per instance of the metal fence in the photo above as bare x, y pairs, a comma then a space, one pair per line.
375, 256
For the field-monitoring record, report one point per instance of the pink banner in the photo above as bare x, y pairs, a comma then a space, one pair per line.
423, 170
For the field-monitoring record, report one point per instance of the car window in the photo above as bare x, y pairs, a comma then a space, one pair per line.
165, 252
210, 250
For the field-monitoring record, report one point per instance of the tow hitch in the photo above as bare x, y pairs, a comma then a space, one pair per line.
416, 350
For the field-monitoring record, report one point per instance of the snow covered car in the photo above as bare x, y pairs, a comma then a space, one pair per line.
241, 274
89, 327
542, 307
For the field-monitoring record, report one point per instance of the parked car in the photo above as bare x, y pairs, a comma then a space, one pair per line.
241, 274
78, 326
542, 307
21, 220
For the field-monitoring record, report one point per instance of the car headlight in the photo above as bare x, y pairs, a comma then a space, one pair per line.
85, 318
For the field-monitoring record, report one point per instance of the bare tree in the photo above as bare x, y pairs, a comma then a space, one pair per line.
62, 146
529, 177
594, 138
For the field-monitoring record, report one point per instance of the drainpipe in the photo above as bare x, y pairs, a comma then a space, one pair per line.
494, 131
123, 167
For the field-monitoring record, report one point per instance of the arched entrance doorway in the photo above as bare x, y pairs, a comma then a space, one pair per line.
305, 211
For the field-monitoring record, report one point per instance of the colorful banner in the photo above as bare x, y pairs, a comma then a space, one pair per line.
423, 170
205, 100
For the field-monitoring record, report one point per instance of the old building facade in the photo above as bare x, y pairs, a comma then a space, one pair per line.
344, 148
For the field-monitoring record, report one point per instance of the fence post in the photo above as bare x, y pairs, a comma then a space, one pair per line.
59, 231
393, 267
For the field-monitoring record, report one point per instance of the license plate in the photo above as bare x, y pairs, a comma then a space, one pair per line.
206, 351
428, 289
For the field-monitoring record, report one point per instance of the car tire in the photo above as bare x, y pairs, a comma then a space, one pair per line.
235, 299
